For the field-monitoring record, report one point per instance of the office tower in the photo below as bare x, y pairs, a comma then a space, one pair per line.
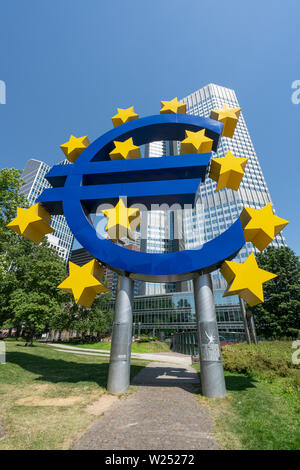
217, 210
34, 184
214, 211
161, 230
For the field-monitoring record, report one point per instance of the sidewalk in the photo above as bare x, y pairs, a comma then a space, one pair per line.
171, 357
163, 414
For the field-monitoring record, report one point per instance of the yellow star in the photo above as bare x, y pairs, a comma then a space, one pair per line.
261, 225
246, 280
125, 150
172, 107
229, 117
123, 116
195, 142
84, 282
228, 171
32, 223
74, 147
120, 219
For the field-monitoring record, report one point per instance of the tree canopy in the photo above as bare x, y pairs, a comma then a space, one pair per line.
279, 315
30, 274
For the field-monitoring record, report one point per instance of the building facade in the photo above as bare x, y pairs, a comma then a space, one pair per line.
213, 213
175, 312
34, 184
161, 230
217, 210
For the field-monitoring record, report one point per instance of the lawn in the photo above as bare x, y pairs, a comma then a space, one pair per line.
262, 407
44, 395
151, 347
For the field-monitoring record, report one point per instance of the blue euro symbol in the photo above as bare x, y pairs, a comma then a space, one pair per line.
94, 178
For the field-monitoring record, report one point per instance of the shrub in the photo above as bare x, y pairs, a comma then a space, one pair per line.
270, 359
144, 339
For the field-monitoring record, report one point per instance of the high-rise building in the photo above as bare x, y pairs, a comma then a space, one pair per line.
217, 210
34, 184
161, 230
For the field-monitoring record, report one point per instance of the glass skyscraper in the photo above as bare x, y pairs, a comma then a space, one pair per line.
217, 210
161, 230
34, 184
214, 211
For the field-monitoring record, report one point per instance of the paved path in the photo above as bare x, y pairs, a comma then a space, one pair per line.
171, 357
163, 414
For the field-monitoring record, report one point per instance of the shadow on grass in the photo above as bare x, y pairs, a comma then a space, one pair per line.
236, 383
58, 370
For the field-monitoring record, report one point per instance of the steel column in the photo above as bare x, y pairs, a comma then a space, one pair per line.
245, 320
211, 367
252, 326
119, 366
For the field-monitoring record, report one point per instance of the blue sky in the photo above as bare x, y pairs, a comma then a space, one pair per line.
68, 64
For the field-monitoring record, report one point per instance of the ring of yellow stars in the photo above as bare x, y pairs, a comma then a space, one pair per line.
228, 171
172, 107
124, 115
121, 221
125, 150
195, 142
32, 223
261, 225
84, 282
74, 147
229, 117
246, 280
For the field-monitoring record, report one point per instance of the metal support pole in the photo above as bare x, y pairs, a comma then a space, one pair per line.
119, 366
252, 326
211, 367
245, 321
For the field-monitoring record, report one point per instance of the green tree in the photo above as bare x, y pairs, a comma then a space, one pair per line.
10, 196
279, 315
32, 295
30, 274
10, 199
86, 321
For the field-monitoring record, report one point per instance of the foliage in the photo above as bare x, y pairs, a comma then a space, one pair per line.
261, 409
29, 275
144, 339
268, 359
10, 196
98, 319
29, 295
279, 315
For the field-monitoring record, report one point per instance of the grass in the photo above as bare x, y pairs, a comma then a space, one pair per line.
44, 395
262, 408
151, 347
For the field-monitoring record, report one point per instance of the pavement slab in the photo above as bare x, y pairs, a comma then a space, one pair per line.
163, 414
